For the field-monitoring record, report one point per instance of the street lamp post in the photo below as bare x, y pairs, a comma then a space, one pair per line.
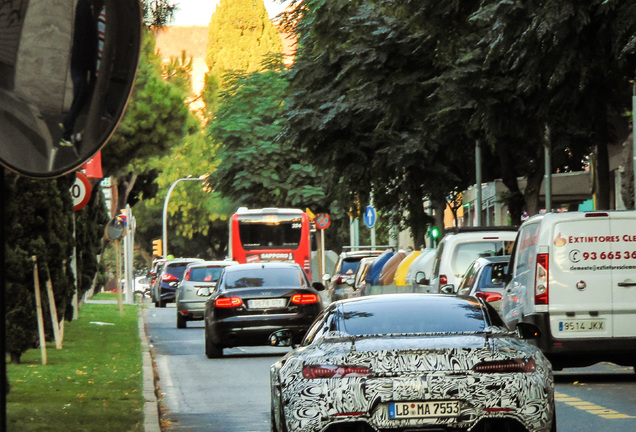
165, 209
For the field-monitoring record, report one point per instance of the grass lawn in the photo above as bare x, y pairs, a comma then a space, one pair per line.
94, 383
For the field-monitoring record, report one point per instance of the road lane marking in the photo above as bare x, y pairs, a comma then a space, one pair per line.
590, 407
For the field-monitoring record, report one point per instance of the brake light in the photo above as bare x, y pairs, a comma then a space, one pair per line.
228, 302
304, 298
541, 280
186, 276
443, 280
169, 278
506, 366
334, 371
489, 296
596, 214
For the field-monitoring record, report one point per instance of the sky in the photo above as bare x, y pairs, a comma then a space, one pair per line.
198, 12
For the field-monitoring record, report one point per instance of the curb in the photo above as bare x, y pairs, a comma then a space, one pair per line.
151, 406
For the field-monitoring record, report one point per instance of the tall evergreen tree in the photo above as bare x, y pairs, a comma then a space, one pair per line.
241, 36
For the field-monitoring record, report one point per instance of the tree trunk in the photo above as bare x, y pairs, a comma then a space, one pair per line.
514, 199
534, 178
602, 186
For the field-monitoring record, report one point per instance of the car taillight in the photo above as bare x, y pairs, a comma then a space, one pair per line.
334, 371
489, 296
541, 280
186, 276
443, 280
506, 366
304, 298
169, 278
228, 302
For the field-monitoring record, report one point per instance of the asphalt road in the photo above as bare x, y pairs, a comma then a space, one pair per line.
231, 394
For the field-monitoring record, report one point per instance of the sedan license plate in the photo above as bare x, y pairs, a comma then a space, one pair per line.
276, 303
430, 409
581, 325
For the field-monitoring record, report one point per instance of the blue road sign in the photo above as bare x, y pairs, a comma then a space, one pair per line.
369, 216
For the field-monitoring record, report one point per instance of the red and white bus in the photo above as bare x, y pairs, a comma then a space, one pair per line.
271, 234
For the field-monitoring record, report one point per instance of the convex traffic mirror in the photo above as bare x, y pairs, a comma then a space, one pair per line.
67, 69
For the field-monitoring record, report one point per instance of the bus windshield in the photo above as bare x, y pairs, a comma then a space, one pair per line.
272, 231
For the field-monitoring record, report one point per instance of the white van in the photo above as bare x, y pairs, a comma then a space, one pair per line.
574, 276
460, 247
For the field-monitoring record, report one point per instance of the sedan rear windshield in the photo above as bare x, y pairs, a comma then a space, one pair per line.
177, 270
205, 274
404, 317
265, 278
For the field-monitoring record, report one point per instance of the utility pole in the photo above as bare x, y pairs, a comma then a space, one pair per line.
478, 181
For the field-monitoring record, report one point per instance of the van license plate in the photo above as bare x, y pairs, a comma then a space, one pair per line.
582, 326
431, 409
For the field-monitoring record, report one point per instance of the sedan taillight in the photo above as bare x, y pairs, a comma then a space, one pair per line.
489, 296
506, 366
169, 278
228, 302
304, 298
334, 371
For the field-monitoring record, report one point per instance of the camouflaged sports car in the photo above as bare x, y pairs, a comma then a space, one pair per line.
412, 362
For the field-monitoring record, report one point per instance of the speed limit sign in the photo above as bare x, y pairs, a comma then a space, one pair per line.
80, 191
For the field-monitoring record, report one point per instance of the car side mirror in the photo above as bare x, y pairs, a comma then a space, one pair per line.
447, 289
318, 286
204, 292
349, 281
527, 331
281, 338
420, 278
326, 277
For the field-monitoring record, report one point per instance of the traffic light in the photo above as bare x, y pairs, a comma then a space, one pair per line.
157, 247
433, 232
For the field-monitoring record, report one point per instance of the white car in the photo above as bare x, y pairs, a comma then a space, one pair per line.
461, 246
398, 362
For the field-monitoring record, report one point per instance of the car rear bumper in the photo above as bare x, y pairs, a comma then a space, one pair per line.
581, 351
255, 330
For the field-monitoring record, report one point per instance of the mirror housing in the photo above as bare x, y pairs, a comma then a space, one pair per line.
420, 278
325, 278
281, 338
527, 331
318, 286
447, 289
66, 74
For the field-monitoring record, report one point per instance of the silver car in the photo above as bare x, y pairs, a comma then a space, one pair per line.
190, 300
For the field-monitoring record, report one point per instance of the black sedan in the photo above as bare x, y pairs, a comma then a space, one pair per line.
253, 300
412, 362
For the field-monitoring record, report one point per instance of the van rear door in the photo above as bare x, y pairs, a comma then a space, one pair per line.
623, 229
580, 292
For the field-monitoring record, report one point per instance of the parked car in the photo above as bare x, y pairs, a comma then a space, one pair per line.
155, 272
573, 275
485, 278
412, 362
141, 286
190, 299
359, 280
251, 300
170, 276
461, 246
422, 267
340, 285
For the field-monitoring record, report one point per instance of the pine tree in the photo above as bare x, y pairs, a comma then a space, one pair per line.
241, 36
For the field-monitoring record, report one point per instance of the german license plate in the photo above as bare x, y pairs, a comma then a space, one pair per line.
276, 303
581, 325
429, 409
